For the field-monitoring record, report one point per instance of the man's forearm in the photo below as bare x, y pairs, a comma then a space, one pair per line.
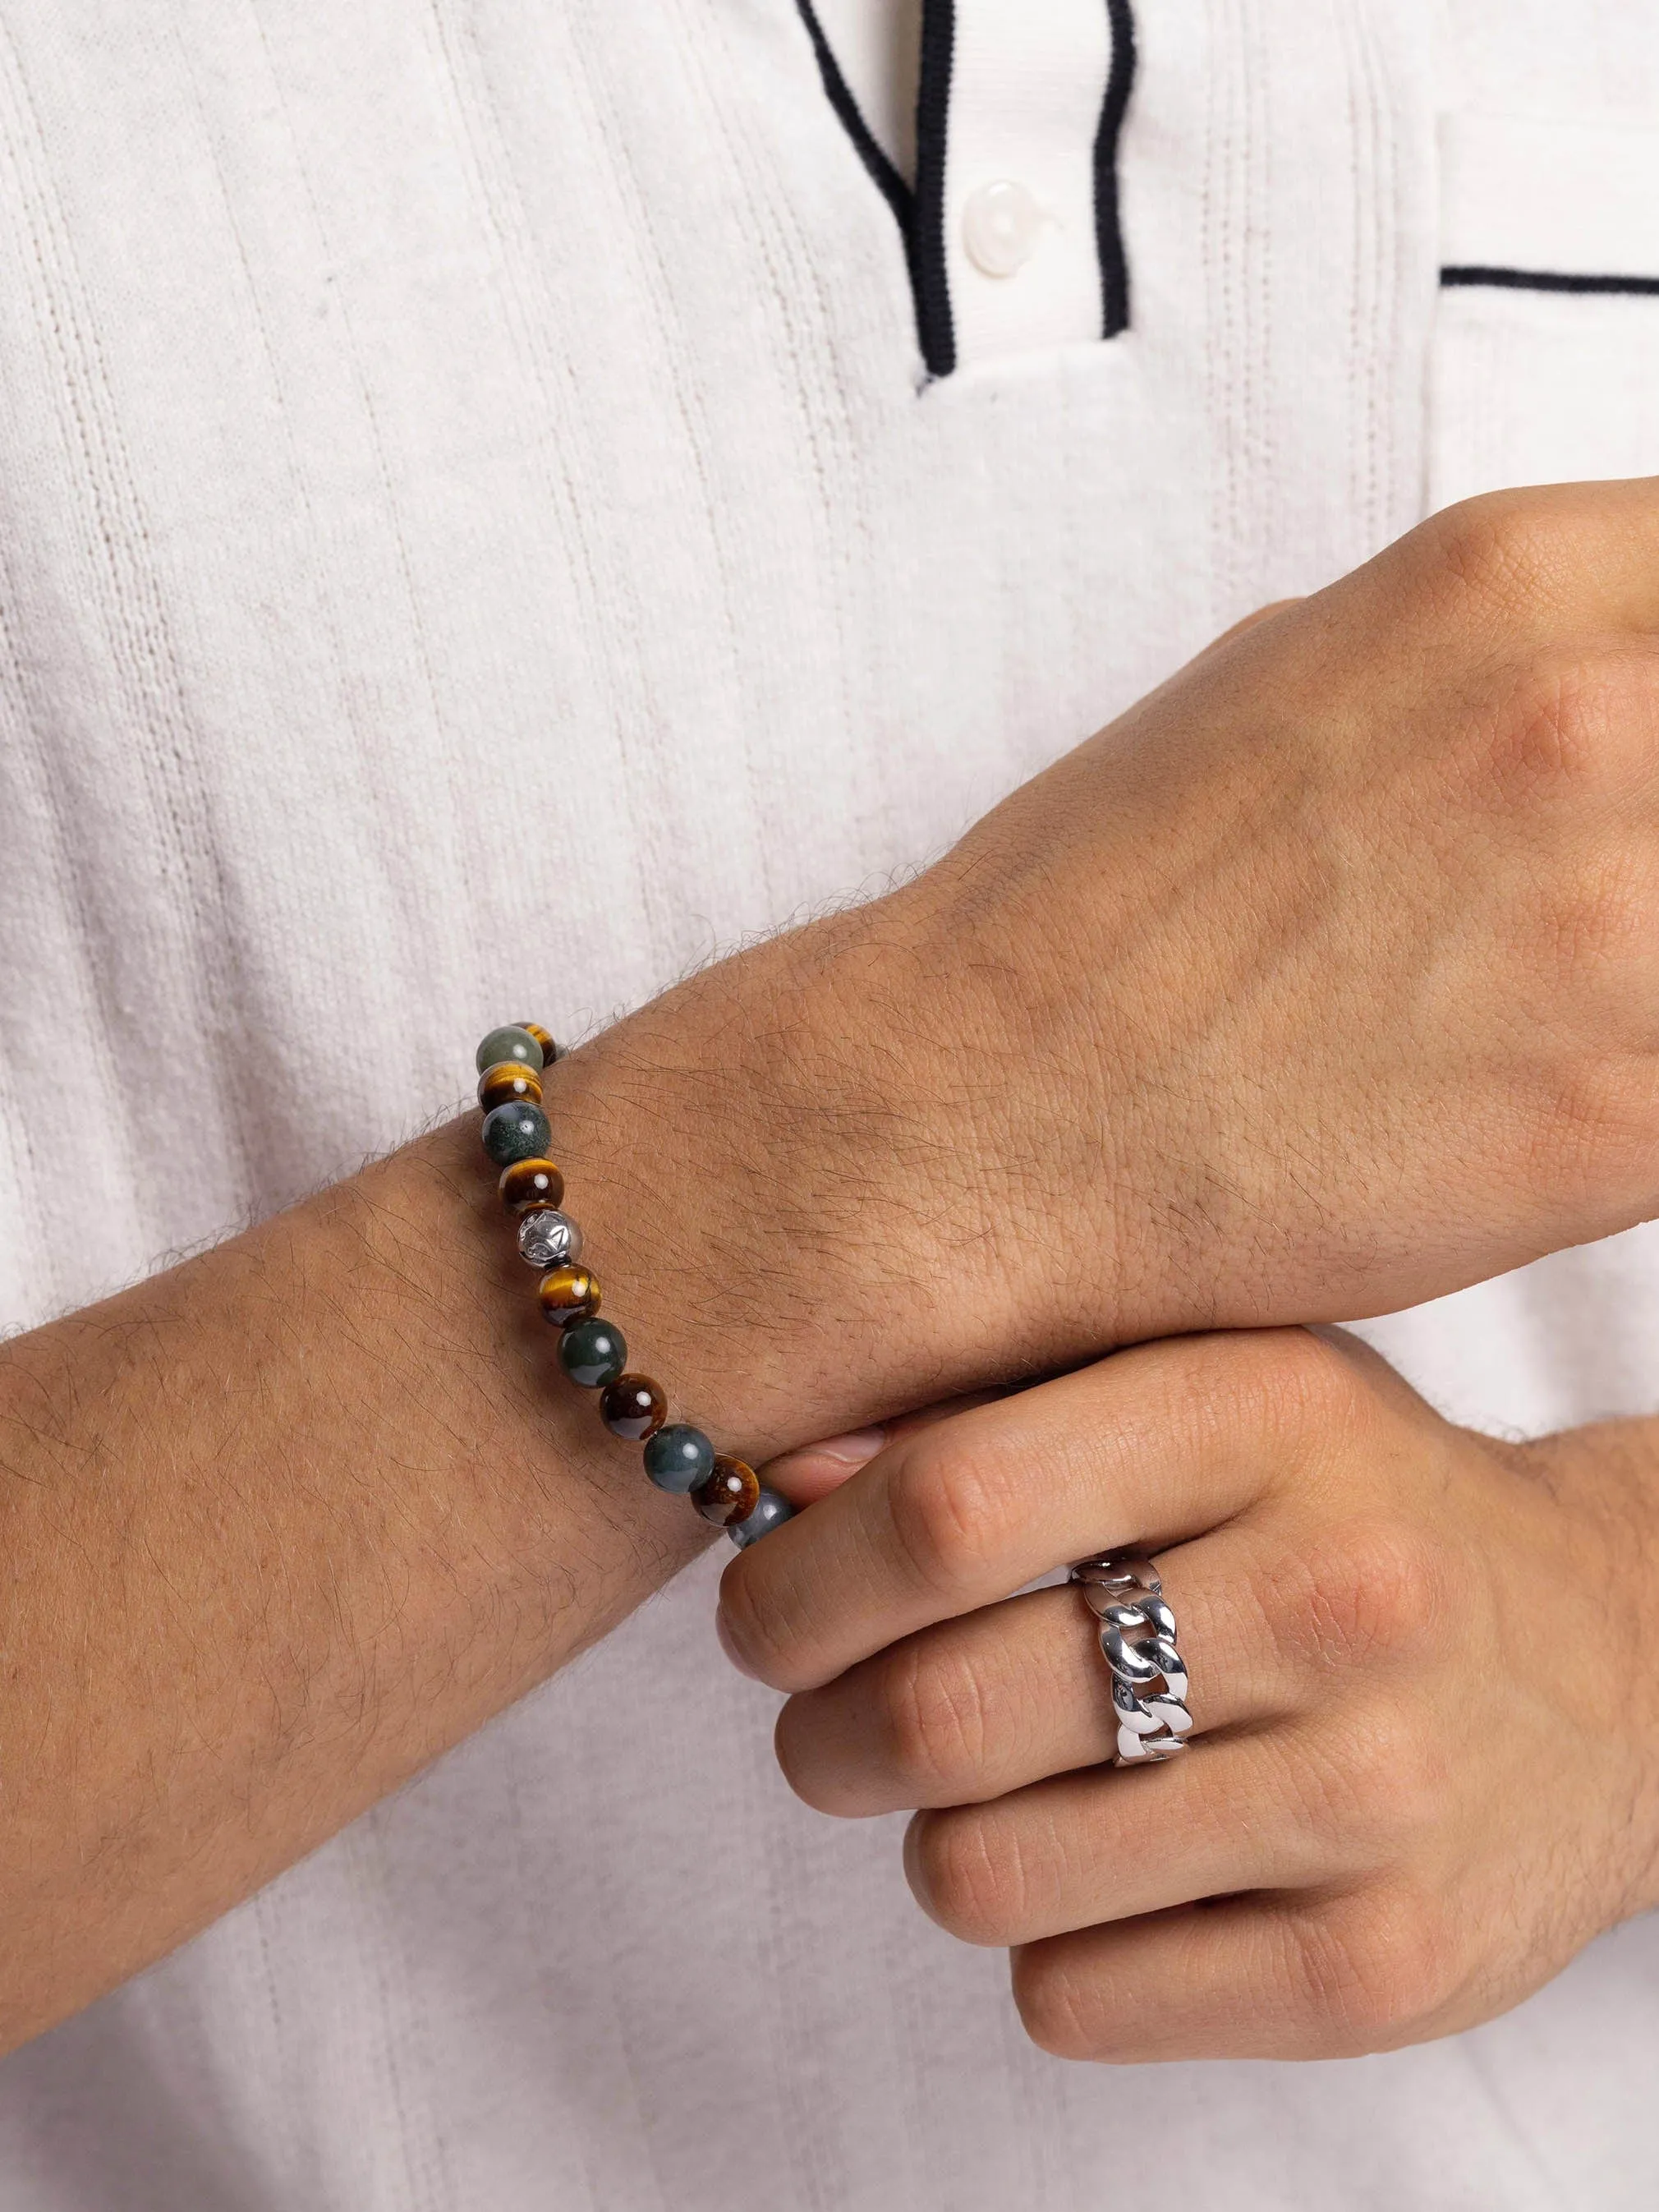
282, 1524
278, 1526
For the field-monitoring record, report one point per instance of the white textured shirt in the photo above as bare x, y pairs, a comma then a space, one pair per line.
497, 501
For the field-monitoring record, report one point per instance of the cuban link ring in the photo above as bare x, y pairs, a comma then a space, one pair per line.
1138, 1642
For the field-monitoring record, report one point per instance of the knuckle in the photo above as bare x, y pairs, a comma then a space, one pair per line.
772, 1619
795, 1750
1601, 1119
819, 1764
759, 1625
1376, 1590
1371, 1972
964, 1877
1504, 546
1568, 717
1595, 1124
1371, 1790
951, 1505
933, 1707
1591, 921
1287, 1386
1061, 2012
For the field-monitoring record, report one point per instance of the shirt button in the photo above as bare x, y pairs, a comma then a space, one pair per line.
1000, 223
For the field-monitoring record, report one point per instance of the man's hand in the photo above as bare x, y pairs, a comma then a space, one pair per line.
1324, 982
1426, 1765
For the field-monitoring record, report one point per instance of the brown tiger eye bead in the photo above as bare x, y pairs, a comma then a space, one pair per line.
549, 1050
530, 1183
633, 1406
569, 1294
729, 1492
509, 1082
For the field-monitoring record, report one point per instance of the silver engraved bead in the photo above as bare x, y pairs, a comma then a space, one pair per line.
548, 1239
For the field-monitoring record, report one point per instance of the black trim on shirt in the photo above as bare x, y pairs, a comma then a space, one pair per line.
893, 190
923, 238
920, 211
1543, 280
927, 263
1109, 227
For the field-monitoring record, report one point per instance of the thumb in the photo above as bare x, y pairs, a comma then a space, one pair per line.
812, 1471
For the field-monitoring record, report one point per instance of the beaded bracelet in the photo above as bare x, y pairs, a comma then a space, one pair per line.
677, 1457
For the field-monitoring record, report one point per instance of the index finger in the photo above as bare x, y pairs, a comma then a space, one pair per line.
1149, 1447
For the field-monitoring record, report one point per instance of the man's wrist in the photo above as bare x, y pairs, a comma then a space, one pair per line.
794, 1182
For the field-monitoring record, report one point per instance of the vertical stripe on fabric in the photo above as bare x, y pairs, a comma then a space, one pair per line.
934, 323
892, 186
1108, 221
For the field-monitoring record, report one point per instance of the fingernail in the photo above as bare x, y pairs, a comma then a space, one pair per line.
730, 1648
814, 1470
857, 1446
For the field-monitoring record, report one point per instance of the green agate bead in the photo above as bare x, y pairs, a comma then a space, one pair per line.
508, 1042
679, 1457
517, 1131
592, 1353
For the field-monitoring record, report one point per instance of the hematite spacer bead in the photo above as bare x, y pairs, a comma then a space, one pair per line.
510, 1042
517, 1132
528, 1184
569, 1294
731, 1492
549, 1050
771, 1510
506, 1080
548, 1238
678, 1458
592, 1353
633, 1406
